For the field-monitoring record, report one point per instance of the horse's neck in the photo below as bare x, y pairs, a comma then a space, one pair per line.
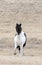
21, 34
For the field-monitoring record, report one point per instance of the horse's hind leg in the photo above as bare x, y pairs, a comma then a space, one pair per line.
21, 51
18, 47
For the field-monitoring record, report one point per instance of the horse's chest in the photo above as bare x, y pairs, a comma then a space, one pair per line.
19, 40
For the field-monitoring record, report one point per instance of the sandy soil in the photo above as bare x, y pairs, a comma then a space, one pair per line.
26, 60
32, 54
29, 13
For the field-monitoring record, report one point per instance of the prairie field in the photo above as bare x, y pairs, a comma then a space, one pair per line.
29, 14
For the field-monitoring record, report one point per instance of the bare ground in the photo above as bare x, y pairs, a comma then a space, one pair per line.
32, 54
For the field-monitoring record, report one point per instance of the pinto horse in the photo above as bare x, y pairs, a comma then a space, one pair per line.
20, 39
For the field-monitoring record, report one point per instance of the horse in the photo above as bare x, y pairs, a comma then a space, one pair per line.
20, 39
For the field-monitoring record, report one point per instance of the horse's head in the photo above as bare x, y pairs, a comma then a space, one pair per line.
18, 28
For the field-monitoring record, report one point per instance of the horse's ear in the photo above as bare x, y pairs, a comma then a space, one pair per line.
16, 24
20, 24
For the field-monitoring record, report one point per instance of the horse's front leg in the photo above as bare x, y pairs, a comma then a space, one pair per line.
15, 47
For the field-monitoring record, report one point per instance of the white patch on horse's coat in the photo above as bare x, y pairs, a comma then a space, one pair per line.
20, 39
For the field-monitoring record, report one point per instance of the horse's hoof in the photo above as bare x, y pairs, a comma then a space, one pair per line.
14, 53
